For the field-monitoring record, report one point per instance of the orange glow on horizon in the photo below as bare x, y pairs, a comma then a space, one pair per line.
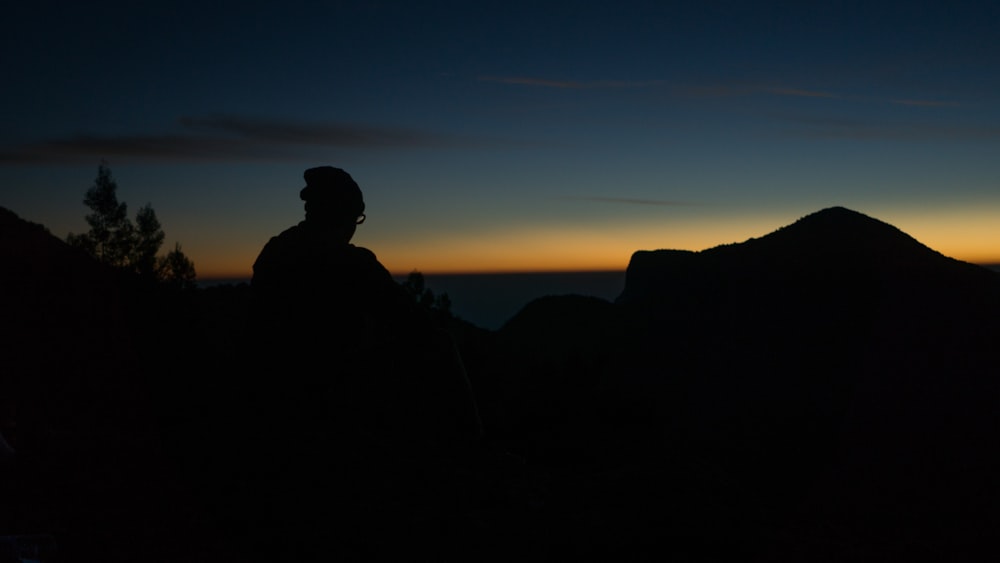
565, 248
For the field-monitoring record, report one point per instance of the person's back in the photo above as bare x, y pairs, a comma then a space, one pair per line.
360, 388
331, 320
323, 298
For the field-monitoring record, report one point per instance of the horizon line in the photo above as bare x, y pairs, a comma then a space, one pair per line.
398, 274
512, 272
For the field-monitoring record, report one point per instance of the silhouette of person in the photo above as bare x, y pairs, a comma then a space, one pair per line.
361, 388
351, 334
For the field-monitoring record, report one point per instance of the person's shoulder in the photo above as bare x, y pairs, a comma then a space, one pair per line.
364, 258
361, 253
279, 245
291, 236
291, 233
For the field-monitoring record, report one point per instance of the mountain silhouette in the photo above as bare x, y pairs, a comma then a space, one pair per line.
64, 323
833, 242
825, 392
833, 380
836, 360
80, 368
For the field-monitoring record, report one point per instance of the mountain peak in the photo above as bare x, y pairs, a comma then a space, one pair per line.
842, 232
838, 210
841, 220
835, 243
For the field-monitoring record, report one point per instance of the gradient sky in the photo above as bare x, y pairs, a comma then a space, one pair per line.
511, 135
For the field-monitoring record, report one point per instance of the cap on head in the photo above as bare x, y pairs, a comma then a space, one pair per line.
332, 191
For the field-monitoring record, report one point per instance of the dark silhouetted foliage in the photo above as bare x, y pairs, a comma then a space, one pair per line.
114, 240
148, 240
425, 297
111, 234
176, 269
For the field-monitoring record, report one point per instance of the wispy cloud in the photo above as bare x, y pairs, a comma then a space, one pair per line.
712, 90
632, 201
223, 138
925, 103
854, 129
722, 89
158, 147
699, 90
739, 89
800, 93
319, 134
569, 84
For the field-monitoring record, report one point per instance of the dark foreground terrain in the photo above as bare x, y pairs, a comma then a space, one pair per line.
828, 392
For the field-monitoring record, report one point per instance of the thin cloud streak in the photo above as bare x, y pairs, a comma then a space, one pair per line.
569, 84
833, 128
713, 91
155, 147
722, 90
926, 103
800, 93
632, 201
320, 134
235, 138
737, 90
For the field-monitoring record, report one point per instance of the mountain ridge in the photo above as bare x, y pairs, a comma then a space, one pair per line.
834, 242
834, 374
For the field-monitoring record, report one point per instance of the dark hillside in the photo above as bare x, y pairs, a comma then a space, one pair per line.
836, 359
826, 392
554, 361
77, 406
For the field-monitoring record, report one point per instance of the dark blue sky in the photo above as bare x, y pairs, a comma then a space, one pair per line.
515, 136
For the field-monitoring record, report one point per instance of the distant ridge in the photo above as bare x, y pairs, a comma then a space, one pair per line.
835, 241
837, 345
840, 231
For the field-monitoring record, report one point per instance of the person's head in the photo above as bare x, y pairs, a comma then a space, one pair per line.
333, 199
